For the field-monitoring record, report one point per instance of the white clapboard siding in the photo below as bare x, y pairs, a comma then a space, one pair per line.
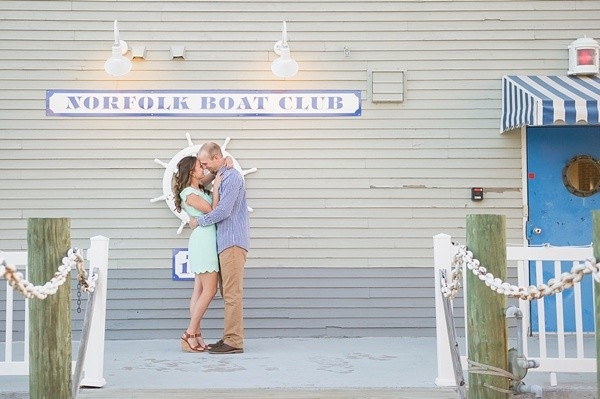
351, 195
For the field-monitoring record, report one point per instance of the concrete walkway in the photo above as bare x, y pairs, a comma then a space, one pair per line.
384, 368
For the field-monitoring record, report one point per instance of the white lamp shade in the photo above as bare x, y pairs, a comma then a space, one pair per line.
284, 66
117, 64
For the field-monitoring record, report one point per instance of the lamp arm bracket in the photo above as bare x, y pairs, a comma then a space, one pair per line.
278, 46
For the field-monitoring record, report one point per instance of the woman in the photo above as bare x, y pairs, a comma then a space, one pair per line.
192, 197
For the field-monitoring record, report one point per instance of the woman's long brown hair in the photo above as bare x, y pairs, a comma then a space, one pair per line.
185, 167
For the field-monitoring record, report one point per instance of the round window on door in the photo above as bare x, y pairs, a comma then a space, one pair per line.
581, 175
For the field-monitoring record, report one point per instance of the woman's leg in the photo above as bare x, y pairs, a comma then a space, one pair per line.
195, 293
193, 328
208, 282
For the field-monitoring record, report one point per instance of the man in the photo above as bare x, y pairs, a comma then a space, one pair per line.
233, 242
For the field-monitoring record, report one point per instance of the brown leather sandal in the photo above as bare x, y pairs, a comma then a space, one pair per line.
185, 345
205, 346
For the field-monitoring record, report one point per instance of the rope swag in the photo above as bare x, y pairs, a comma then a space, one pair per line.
73, 259
555, 285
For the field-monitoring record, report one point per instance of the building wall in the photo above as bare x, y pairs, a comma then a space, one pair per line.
356, 198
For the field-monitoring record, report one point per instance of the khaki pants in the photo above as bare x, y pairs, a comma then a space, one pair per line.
232, 261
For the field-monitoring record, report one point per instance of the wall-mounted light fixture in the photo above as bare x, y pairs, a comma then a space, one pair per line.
583, 57
284, 66
117, 64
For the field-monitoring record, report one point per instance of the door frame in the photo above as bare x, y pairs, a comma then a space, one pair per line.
524, 185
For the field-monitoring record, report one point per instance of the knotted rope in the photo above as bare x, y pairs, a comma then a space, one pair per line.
73, 259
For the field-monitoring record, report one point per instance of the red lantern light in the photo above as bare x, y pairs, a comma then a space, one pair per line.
585, 56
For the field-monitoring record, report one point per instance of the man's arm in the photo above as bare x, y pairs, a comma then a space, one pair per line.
230, 187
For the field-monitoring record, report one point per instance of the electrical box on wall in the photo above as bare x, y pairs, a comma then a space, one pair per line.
476, 193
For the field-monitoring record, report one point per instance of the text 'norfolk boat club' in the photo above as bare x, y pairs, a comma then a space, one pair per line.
209, 103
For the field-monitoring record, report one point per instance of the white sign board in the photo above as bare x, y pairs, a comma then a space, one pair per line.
203, 103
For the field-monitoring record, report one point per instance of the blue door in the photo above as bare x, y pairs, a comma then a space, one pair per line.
563, 177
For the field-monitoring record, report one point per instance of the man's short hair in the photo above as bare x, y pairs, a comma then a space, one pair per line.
211, 149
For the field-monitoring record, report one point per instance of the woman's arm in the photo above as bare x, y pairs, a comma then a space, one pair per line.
205, 181
216, 185
198, 202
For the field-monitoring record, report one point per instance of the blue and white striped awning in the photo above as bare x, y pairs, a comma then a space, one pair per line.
545, 100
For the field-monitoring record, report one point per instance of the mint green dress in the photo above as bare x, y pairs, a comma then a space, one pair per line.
202, 246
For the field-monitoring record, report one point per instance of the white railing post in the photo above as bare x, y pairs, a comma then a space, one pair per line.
8, 346
93, 365
10, 366
443, 251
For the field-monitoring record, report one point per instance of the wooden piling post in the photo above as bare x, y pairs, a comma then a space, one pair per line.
486, 323
596, 243
48, 241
